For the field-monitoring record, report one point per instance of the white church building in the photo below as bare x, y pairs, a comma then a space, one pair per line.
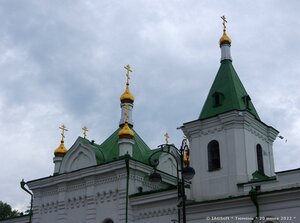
230, 149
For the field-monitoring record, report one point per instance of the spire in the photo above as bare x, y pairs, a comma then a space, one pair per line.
61, 149
127, 99
225, 43
227, 92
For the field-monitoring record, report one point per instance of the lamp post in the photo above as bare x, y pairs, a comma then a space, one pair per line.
184, 171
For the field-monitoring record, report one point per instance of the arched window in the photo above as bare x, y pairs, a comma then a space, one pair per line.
260, 159
213, 153
108, 220
218, 98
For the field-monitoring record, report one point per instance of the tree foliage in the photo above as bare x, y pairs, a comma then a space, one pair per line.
7, 212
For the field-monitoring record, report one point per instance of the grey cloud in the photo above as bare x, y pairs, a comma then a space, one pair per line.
62, 62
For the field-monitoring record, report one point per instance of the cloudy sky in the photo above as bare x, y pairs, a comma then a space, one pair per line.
62, 62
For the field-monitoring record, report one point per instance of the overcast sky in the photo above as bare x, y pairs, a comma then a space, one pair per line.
62, 62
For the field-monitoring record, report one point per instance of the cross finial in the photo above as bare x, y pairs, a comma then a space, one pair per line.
63, 129
224, 23
167, 137
127, 67
84, 131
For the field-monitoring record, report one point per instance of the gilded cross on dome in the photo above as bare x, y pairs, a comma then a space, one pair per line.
167, 137
127, 67
84, 131
224, 22
63, 129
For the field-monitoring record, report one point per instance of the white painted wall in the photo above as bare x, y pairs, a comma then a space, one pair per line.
91, 194
238, 133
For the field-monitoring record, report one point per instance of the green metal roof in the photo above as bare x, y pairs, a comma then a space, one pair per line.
227, 94
110, 148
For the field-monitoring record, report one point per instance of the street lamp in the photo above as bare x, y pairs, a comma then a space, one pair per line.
183, 167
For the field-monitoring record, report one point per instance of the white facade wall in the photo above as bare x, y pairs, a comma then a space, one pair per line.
93, 194
155, 207
284, 205
238, 133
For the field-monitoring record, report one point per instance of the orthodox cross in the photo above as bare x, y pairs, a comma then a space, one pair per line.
167, 137
84, 131
127, 67
63, 129
224, 22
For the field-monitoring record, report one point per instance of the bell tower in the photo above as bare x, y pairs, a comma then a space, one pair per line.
228, 142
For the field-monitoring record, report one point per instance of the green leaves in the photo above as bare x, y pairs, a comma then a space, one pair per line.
7, 212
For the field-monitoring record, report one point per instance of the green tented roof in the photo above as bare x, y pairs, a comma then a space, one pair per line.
227, 94
110, 148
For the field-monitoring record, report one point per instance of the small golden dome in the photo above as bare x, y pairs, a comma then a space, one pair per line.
225, 39
127, 96
61, 150
186, 159
126, 132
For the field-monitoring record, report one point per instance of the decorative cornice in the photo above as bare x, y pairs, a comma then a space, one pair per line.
230, 120
78, 186
211, 130
155, 197
253, 131
76, 175
136, 177
107, 196
49, 191
76, 202
151, 185
49, 207
79, 201
109, 179
150, 213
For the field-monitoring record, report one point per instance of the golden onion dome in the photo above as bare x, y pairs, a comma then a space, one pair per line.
186, 160
126, 132
61, 150
225, 39
127, 96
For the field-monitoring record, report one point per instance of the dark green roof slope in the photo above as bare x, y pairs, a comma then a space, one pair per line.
226, 94
110, 148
